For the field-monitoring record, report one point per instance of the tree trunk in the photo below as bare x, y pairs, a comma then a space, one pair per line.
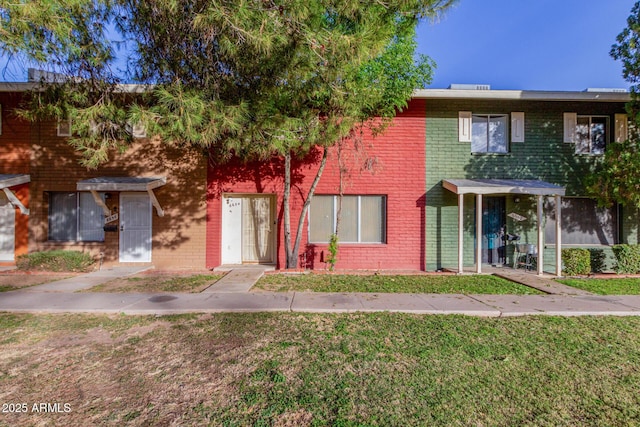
292, 253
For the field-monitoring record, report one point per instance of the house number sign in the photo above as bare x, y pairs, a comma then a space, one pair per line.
111, 218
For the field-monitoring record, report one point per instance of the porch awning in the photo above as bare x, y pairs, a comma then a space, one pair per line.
503, 186
11, 180
123, 183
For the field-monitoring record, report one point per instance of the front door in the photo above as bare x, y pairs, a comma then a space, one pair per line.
7, 229
493, 223
135, 227
248, 224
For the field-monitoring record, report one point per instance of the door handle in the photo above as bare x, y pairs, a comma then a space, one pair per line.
122, 228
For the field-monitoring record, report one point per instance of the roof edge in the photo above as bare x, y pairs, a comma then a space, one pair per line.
522, 95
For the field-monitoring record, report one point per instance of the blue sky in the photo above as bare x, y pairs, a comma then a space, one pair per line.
515, 44
530, 44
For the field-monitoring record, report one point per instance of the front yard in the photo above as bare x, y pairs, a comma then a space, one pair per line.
608, 286
440, 284
290, 369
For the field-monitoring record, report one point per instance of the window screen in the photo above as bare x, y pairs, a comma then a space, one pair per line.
583, 223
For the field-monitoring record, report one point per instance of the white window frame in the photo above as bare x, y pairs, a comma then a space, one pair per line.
78, 213
607, 134
61, 125
359, 213
506, 133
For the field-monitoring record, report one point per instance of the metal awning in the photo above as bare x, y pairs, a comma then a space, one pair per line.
11, 180
503, 186
123, 183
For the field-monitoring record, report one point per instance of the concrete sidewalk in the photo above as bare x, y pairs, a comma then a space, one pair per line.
314, 302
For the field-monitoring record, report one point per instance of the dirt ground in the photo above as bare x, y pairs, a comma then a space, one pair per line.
117, 370
191, 281
13, 280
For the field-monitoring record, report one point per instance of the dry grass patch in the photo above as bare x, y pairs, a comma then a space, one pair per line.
13, 281
291, 369
159, 282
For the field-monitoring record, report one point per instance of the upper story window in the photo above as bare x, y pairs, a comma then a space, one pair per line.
489, 133
592, 134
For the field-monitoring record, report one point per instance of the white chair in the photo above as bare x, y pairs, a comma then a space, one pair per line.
525, 254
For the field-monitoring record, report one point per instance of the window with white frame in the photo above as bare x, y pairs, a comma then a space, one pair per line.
583, 222
75, 217
362, 219
591, 134
489, 133
64, 128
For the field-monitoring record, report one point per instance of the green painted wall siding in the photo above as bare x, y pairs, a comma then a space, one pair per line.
542, 156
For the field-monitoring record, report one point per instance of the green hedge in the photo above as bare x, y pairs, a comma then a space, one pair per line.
627, 258
576, 261
57, 260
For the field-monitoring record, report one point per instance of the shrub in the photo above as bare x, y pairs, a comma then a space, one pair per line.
598, 260
627, 258
576, 261
57, 260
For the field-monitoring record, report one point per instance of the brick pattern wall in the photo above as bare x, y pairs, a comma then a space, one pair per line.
178, 238
14, 159
391, 164
542, 156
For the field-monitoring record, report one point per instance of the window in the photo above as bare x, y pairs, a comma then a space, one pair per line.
583, 222
591, 134
64, 127
489, 133
75, 217
362, 219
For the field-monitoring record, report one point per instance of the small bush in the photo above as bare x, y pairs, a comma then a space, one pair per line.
577, 262
598, 260
57, 260
627, 258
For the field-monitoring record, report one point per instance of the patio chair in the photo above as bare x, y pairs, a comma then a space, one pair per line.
526, 255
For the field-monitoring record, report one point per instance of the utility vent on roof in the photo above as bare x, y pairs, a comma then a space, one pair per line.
606, 89
469, 87
34, 75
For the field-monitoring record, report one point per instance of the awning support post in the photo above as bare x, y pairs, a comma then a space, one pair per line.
558, 236
155, 203
540, 238
460, 233
15, 201
478, 233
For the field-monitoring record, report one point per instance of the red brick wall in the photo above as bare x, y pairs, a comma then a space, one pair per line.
396, 169
14, 159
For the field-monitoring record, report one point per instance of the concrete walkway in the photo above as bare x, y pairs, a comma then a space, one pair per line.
544, 283
238, 279
472, 305
231, 295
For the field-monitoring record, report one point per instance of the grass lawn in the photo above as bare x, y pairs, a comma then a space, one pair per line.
446, 284
192, 283
288, 369
614, 286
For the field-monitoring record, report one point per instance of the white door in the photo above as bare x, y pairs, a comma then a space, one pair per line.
232, 230
248, 229
7, 229
135, 227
